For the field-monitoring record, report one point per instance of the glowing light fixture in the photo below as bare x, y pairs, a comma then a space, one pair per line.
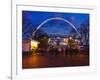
34, 44
49, 40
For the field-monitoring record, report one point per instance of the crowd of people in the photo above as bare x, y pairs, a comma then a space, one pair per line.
70, 49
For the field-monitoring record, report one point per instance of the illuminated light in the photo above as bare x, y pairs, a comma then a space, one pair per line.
66, 40
49, 40
34, 44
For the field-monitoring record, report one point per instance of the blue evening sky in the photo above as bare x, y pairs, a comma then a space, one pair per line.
54, 26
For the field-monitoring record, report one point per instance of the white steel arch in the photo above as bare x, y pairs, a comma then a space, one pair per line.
55, 18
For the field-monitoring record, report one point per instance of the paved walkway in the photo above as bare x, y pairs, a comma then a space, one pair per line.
40, 61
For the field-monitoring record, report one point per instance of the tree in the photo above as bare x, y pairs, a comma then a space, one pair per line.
84, 31
43, 38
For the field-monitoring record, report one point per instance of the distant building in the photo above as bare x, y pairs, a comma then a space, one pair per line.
29, 45
62, 41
